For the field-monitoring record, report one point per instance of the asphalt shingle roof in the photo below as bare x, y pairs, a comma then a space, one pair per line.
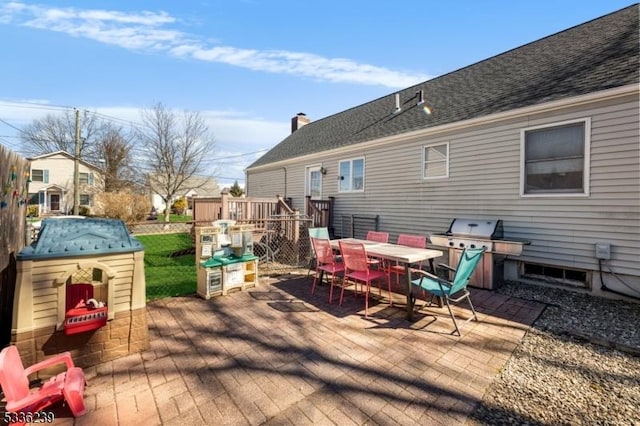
597, 55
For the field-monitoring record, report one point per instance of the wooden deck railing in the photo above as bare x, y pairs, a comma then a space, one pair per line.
236, 208
320, 212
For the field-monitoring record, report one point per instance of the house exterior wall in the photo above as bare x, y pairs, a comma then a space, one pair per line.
484, 182
195, 186
273, 182
59, 172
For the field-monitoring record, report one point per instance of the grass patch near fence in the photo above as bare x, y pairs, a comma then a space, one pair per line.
168, 276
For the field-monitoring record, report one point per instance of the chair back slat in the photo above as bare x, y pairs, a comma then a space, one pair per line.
354, 256
466, 265
377, 236
319, 233
323, 250
417, 241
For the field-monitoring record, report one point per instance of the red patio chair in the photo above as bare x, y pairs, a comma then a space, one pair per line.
417, 241
377, 236
325, 262
357, 268
14, 380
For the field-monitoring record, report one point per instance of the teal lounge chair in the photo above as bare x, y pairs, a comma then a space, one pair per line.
456, 289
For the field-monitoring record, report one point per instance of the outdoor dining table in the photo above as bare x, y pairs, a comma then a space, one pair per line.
396, 253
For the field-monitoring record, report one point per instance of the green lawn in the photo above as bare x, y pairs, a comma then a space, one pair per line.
168, 276
180, 218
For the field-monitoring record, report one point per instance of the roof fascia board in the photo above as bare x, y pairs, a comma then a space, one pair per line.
599, 96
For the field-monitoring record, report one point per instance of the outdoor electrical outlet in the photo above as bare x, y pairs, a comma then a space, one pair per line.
603, 251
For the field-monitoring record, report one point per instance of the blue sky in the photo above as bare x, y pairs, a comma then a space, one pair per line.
248, 66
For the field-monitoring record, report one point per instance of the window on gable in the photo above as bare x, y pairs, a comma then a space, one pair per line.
351, 175
84, 178
39, 175
436, 161
555, 159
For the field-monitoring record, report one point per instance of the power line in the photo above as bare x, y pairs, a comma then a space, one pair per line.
136, 150
35, 105
11, 125
112, 118
12, 145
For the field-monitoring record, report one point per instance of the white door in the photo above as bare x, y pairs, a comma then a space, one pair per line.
314, 182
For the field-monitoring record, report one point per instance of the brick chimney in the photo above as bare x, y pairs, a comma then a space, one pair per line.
298, 121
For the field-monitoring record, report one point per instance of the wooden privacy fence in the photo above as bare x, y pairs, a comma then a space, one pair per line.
14, 178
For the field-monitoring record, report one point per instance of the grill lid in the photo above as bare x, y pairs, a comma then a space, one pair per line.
476, 228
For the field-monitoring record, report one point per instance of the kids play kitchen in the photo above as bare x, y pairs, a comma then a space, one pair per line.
225, 259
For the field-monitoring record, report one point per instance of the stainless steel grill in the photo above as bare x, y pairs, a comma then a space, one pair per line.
479, 233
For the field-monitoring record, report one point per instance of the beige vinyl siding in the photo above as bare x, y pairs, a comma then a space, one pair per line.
269, 184
484, 182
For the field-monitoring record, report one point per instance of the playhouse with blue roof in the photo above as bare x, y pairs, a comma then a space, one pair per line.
81, 288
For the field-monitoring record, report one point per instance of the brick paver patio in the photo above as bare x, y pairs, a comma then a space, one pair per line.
277, 355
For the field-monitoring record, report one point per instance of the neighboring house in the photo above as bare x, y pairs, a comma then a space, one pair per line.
195, 186
52, 183
545, 137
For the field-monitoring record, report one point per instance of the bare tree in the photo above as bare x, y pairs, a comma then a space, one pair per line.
175, 147
57, 133
114, 151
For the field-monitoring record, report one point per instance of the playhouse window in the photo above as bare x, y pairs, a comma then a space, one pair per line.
86, 301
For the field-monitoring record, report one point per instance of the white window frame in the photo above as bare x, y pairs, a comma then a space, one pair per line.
42, 178
424, 161
89, 178
586, 165
340, 177
89, 198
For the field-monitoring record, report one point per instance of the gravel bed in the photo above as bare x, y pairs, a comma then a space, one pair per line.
579, 364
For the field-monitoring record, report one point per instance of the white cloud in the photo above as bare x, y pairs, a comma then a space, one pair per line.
150, 31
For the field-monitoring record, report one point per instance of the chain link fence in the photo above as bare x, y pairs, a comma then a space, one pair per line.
281, 244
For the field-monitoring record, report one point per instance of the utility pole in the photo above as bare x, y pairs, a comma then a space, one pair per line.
76, 168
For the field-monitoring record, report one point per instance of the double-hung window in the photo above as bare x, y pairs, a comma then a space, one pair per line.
85, 199
555, 159
85, 178
351, 175
435, 162
39, 175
